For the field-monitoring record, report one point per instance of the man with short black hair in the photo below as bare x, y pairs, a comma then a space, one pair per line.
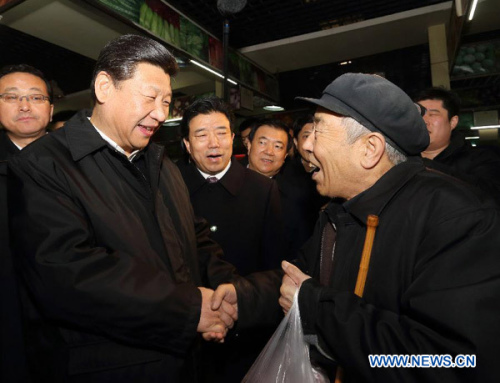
243, 210
241, 206
448, 149
25, 111
112, 258
268, 148
25, 106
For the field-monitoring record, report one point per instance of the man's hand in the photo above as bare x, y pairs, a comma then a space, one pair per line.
225, 299
213, 323
292, 280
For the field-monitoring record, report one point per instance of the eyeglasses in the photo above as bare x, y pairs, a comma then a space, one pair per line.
12, 98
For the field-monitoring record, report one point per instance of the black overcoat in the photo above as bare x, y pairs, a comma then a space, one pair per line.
479, 166
12, 352
244, 212
111, 259
433, 285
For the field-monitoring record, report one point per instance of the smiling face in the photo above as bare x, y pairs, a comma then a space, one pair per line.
267, 151
439, 126
23, 120
131, 111
337, 172
210, 142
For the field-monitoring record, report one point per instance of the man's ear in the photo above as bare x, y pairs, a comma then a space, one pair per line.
454, 122
103, 86
51, 112
187, 145
372, 149
248, 147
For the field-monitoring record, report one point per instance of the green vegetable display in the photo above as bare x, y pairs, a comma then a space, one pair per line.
477, 59
127, 8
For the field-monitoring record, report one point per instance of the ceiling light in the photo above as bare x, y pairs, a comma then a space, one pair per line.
473, 138
172, 121
484, 127
273, 108
212, 71
345, 62
472, 10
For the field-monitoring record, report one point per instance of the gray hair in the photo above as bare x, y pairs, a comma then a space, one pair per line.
355, 130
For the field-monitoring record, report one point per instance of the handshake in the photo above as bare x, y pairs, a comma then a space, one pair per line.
219, 308
219, 311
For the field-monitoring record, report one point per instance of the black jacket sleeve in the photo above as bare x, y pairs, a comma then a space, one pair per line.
79, 284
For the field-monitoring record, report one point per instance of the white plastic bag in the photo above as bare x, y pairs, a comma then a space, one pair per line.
285, 359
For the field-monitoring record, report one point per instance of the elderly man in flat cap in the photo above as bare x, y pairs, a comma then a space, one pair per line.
431, 296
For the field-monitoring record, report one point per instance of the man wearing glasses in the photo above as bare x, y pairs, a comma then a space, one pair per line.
25, 106
25, 111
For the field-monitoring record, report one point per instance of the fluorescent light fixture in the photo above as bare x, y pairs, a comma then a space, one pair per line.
472, 10
473, 144
345, 62
273, 108
473, 138
485, 127
212, 71
172, 121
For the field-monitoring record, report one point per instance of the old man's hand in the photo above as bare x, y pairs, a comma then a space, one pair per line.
292, 280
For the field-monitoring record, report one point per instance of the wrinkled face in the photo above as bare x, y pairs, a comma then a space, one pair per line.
136, 108
24, 119
335, 160
244, 136
439, 125
304, 133
267, 151
210, 142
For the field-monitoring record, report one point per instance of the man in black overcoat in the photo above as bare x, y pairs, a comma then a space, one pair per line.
448, 150
243, 210
25, 111
117, 272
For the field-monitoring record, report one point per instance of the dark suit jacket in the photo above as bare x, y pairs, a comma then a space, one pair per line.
301, 204
12, 353
244, 214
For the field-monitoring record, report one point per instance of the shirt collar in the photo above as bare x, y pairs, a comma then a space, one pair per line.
115, 145
218, 175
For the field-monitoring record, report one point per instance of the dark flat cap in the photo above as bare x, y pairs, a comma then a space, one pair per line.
380, 106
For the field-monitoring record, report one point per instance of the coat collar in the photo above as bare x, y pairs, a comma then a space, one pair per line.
377, 197
7, 147
457, 144
82, 138
232, 181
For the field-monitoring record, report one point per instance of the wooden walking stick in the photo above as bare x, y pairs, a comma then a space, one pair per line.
371, 228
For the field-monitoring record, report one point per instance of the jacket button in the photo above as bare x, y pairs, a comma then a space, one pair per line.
213, 229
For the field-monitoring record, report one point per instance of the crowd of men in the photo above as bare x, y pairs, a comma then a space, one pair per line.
118, 264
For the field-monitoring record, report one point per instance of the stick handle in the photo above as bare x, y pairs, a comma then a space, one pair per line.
371, 223
371, 228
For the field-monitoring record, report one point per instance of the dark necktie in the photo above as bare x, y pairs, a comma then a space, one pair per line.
327, 252
212, 180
